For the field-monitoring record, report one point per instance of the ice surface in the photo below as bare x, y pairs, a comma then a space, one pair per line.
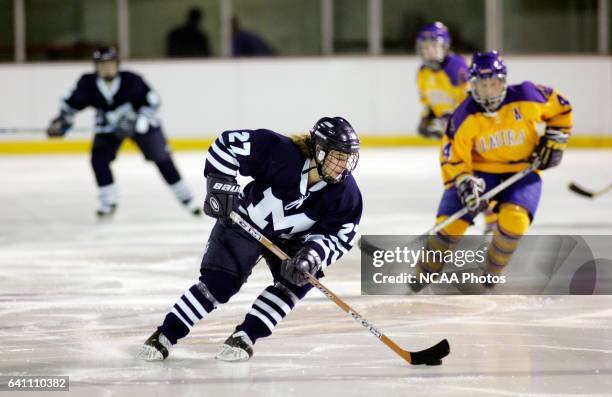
78, 297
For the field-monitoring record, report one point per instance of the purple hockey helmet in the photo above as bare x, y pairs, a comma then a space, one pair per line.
433, 32
488, 65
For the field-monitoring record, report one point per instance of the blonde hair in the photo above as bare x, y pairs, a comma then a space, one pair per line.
303, 142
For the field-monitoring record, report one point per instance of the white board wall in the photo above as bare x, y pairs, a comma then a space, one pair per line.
378, 95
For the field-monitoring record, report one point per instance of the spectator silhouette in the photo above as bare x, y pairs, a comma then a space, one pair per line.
245, 43
188, 40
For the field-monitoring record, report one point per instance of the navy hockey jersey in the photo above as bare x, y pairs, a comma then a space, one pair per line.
278, 201
127, 96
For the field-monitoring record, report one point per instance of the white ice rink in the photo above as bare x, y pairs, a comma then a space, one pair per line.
78, 298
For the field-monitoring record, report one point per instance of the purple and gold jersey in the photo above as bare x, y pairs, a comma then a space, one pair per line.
501, 142
444, 89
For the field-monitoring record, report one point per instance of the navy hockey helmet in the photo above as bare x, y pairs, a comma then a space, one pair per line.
335, 146
103, 54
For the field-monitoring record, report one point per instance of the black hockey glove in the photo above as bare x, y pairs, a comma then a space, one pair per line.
125, 127
58, 127
294, 270
433, 127
221, 197
549, 151
470, 189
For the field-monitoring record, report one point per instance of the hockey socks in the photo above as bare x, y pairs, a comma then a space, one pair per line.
270, 307
513, 223
196, 303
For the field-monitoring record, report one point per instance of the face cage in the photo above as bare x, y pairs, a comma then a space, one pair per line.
434, 64
96, 63
489, 104
321, 158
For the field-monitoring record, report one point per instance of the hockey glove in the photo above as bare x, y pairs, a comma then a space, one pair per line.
58, 127
141, 126
433, 127
549, 151
470, 189
125, 127
221, 197
305, 261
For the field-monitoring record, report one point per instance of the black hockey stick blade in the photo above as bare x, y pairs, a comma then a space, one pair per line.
432, 355
578, 190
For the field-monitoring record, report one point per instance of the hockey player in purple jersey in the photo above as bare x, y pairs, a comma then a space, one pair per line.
442, 79
302, 196
492, 136
125, 108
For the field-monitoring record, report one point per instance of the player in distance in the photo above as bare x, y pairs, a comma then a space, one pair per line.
126, 107
443, 84
442, 79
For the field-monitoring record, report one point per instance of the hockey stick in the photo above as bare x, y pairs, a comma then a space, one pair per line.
586, 193
487, 196
370, 248
37, 130
430, 356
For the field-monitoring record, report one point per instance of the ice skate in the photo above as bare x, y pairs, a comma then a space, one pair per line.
106, 211
156, 348
192, 207
238, 347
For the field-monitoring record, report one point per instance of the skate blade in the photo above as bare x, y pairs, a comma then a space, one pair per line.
149, 353
231, 354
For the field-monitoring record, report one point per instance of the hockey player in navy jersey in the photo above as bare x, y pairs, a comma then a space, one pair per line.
125, 108
302, 196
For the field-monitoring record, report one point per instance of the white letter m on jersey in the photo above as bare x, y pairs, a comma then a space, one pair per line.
271, 205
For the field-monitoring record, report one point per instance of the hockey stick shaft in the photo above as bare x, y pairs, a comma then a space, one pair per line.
441, 350
369, 248
487, 196
37, 130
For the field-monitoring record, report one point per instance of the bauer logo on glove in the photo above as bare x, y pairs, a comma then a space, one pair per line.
222, 196
214, 204
225, 187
